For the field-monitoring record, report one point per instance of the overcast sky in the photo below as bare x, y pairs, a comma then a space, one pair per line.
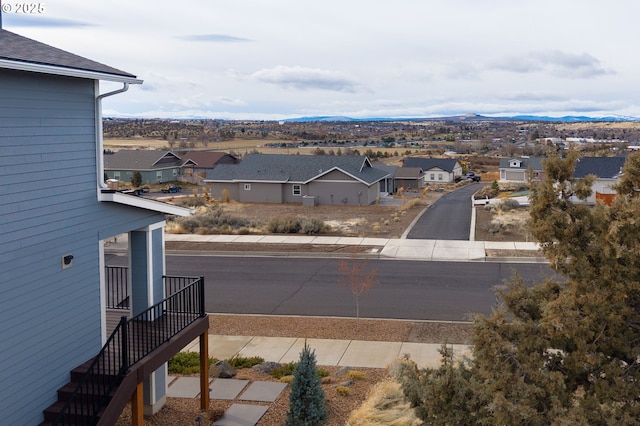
237, 59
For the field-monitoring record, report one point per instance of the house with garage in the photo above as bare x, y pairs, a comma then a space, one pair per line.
301, 179
606, 170
409, 178
435, 170
66, 356
154, 166
198, 164
521, 169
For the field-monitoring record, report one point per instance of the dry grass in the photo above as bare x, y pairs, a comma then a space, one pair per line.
384, 406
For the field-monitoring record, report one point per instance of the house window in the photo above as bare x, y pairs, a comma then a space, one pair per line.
247, 187
297, 189
433, 176
439, 176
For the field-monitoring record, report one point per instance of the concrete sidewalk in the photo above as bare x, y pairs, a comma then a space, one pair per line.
342, 353
383, 248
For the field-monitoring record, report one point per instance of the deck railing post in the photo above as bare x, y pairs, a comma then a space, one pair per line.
201, 291
124, 344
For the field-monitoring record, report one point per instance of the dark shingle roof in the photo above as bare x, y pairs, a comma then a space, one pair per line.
408, 173
296, 168
446, 164
141, 160
207, 159
602, 167
534, 162
14, 47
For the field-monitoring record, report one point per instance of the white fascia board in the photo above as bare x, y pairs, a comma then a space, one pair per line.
145, 203
68, 72
331, 170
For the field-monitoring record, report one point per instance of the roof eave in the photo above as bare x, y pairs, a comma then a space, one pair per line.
144, 203
68, 72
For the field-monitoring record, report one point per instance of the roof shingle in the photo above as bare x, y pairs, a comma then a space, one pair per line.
16, 48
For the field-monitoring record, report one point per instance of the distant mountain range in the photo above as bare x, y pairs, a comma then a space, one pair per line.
468, 117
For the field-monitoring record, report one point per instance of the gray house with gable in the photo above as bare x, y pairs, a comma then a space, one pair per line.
435, 170
56, 215
302, 179
521, 169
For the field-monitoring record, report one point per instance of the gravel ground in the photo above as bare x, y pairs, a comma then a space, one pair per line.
183, 411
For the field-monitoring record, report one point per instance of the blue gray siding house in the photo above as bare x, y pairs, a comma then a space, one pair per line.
302, 179
154, 166
55, 216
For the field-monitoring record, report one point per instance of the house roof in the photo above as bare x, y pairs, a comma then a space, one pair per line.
525, 162
21, 53
408, 173
602, 167
206, 159
280, 168
391, 170
140, 160
446, 164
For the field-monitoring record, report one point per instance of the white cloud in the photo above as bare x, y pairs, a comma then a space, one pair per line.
283, 58
554, 62
306, 79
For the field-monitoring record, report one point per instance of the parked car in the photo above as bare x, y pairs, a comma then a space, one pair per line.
472, 176
172, 189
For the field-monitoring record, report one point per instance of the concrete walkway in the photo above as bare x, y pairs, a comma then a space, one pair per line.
383, 248
342, 353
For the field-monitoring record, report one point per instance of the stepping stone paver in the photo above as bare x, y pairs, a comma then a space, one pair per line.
263, 391
184, 387
242, 415
226, 388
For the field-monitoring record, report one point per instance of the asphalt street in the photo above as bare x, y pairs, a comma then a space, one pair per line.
449, 218
310, 286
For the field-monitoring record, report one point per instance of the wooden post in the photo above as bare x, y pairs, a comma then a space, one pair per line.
137, 406
204, 371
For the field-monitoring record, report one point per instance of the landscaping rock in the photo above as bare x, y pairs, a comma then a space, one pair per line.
222, 370
266, 367
342, 371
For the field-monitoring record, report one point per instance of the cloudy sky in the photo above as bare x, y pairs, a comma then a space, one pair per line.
237, 59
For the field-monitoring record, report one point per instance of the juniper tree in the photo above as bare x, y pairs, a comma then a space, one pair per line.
565, 351
306, 399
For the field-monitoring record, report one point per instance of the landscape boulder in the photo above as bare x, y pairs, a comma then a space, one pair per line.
222, 370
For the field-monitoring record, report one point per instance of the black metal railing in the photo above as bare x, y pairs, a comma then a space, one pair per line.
130, 342
118, 290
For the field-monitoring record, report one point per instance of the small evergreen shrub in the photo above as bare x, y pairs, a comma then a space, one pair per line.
239, 362
356, 375
306, 399
283, 370
342, 390
186, 363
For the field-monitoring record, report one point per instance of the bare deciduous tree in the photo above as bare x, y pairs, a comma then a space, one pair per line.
357, 277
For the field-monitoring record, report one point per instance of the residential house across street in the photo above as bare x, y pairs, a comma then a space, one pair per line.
435, 170
303, 179
521, 169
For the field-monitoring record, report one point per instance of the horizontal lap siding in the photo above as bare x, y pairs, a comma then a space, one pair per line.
49, 317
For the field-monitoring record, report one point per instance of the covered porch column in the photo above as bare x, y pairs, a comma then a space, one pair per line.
147, 266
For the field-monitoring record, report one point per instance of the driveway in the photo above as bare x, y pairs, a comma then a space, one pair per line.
449, 218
